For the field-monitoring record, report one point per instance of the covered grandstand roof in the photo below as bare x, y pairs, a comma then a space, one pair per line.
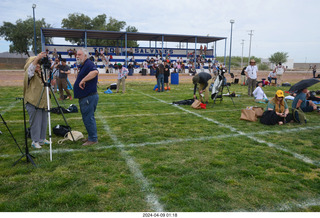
111, 35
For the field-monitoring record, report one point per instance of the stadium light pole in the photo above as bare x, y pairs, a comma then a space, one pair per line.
34, 29
232, 22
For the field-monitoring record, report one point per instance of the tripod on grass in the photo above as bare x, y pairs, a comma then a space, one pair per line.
26, 154
46, 75
218, 87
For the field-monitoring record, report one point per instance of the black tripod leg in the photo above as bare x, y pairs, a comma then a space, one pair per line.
15, 163
29, 159
64, 118
231, 97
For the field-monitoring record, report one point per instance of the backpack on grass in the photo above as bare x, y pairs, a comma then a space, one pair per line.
299, 116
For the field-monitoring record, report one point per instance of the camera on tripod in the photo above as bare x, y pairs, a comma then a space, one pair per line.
45, 62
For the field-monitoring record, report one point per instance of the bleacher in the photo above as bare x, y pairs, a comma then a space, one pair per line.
140, 55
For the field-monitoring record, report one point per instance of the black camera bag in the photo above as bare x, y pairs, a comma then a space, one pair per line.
61, 130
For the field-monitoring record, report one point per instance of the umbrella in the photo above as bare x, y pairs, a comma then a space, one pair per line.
303, 84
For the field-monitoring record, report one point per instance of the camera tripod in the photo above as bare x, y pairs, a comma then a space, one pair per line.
45, 77
47, 87
220, 83
26, 154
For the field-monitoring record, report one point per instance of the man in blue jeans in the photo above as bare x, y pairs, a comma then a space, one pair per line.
85, 89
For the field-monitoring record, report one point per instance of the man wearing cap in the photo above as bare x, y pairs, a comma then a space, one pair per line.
85, 89
202, 78
251, 73
300, 101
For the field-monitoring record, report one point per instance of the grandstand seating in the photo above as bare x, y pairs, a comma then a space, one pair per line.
139, 56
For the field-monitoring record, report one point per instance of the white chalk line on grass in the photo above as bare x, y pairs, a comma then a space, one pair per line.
151, 197
9, 108
299, 156
129, 115
167, 142
288, 206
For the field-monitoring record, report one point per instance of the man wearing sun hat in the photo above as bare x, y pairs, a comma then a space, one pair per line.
251, 73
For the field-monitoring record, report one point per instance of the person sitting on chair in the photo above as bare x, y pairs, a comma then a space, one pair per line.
202, 78
272, 76
280, 106
259, 94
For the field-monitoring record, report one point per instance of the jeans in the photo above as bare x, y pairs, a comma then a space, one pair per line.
270, 79
160, 81
88, 106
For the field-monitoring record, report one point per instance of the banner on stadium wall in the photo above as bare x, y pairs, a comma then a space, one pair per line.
141, 50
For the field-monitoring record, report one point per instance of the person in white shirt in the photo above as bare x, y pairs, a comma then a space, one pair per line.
122, 75
259, 94
251, 73
272, 76
279, 70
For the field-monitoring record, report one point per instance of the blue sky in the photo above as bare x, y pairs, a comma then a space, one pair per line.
279, 25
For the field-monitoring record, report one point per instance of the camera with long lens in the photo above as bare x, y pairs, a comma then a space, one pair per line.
45, 62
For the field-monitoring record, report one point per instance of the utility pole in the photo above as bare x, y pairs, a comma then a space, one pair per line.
251, 33
242, 43
231, 22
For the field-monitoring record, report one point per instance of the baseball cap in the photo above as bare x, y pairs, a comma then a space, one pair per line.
280, 94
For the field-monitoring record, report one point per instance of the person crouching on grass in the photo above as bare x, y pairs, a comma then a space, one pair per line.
33, 86
202, 78
280, 106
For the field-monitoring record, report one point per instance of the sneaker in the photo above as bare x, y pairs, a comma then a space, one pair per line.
44, 142
35, 145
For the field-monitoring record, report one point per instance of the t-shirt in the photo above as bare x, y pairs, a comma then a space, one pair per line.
273, 106
259, 94
272, 74
63, 68
301, 96
279, 70
91, 85
252, 71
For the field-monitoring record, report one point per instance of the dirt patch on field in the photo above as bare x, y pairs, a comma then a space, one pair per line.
15, 77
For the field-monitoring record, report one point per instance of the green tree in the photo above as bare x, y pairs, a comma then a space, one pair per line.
81, 21
21, 35
279, 57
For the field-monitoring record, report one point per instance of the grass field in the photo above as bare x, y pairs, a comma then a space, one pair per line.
155, 156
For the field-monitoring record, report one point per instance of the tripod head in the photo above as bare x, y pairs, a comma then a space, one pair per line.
46, 72
222, 71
